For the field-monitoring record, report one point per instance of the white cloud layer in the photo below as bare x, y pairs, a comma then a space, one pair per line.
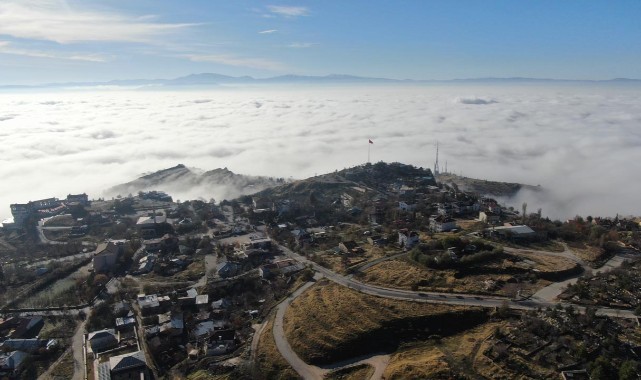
56, 20
288, 11
6, 48
583, 143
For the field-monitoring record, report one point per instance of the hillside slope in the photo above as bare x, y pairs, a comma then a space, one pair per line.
485, 187
184, 183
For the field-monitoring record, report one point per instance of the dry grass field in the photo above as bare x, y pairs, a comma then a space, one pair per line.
544, 263
587, 253
329, 323
405, 274
64, 369
337, 262
448, 358
269, 362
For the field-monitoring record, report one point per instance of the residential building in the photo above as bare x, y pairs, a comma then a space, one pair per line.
407, 239
350, 247
280, 267
81, 199
220, 304
20, 213
125, 367
189, 298
228, 269
149, 304
202, 301
377, 240
221, 342
155, 195
301, 236
11, 362
442, 223
403, 206
106, 256
153, 226
489, 217
171, 323
28, 345
21, 327
125, 323
257, 241
102, 340
204, 329
516, 232
261, 204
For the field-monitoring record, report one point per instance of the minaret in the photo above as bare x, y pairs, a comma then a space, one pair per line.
436, 169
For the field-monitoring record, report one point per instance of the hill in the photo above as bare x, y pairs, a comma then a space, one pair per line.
184, 183
485, 187
359, 178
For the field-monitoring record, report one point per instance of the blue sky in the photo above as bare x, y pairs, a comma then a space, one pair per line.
53, 40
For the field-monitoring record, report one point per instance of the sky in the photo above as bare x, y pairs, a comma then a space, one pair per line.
44, 41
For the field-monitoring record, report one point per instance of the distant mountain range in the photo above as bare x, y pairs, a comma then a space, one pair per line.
211, 79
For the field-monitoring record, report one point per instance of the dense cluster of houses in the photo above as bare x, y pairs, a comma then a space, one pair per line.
41, 208
19, 341
180, 321
188, 320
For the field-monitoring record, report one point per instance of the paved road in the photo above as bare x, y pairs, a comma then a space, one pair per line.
380, 361
77, 346
41, 234
444, 298
305, 370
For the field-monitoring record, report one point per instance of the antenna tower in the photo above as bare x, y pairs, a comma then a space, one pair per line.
436, 168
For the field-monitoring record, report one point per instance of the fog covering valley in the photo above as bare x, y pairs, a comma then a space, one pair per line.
580, 142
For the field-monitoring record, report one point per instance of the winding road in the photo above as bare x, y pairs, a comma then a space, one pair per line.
542, 299
308, 371
445, 298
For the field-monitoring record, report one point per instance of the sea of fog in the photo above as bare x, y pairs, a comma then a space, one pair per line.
582, 142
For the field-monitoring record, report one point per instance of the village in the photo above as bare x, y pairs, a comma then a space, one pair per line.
161, 288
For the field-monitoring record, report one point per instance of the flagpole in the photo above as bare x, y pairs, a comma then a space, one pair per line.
369, 147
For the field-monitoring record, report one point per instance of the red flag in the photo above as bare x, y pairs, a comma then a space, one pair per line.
371, 142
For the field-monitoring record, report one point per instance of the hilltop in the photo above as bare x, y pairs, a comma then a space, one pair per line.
367, 177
